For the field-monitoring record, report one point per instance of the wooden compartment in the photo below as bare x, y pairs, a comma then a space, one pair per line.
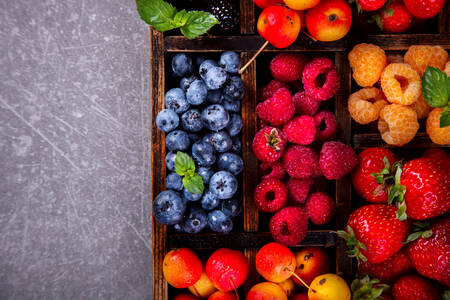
252, 233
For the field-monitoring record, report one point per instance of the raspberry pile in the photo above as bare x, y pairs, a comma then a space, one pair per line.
399, 104
294, 148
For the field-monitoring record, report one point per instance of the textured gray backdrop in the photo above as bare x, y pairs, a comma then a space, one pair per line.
75, 215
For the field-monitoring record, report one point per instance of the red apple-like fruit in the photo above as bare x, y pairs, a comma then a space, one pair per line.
266, 3
227, 269
266, 290
182, 268
275, 262
311, 262
287, 286
203, 288
279, 25
329, 21
219, 295
185, 297
301, 4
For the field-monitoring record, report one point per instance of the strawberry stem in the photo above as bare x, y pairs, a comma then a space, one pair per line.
353, 244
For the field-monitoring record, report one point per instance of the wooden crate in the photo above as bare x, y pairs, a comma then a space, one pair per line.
251, 238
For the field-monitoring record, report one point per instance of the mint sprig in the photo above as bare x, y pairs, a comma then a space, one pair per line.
436, 91
163, 17
185, 167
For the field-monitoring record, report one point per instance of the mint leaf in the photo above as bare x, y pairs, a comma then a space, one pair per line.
197, 23
180, 18
157, 13
435, 87
194, 183
184, 164
444, 121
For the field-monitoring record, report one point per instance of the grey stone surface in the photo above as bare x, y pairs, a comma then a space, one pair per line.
75, 211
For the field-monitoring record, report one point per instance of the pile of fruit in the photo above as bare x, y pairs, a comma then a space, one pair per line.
405, 228
202, 118
413, 87
293, 131
226, 270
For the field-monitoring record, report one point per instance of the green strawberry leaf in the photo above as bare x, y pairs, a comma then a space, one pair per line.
413, 236
444, 121
388, 12
377, 18
184, 164
194, 184
420, 229
198, 23
435, 87
446, 295
157, 13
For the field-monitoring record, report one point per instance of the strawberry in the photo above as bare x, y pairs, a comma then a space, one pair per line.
369, 5
268, 144
394, 18
389, 270
424, 9
429, 250
374, 234
367, 288
413, 287
370, 177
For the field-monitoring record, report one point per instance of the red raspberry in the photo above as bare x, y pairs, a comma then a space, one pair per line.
287, 67
301, 162
289, 226
270, 195
395, 18
272, 170
320, 208
278, 109
336, 159
301, 130
312, 74
370, 5
424, 9
299, 189
304, 104
326, 125
268, 144
271, 88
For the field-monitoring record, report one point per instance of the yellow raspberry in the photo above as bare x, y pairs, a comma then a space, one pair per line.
367, 62
421, 107
438, 135
397, 124
447, 68
401, 84
419, 57
365, 105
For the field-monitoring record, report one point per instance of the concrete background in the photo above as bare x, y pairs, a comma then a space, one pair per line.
75, 215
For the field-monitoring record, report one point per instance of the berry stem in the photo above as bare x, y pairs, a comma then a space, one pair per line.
253, 58
302, 281
234, 288
310, 36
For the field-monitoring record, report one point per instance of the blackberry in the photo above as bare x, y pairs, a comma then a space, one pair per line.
227, 12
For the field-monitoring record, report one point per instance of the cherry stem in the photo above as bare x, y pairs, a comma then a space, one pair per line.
196, 291
253, 58
310, 36
301, 280
234, 288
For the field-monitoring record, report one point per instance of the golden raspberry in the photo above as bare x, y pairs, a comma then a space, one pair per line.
367, 62
419, 57
397, 124
365, 105
447, 68
421, 107
395, 58
401, 84
438, 135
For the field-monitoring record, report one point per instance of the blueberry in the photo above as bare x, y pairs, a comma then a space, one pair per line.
231, 105
170, 161
178, 227
219, 222
206, 65
234, 88
182, 64
236, 147
199, 59
185, 82
196, 92
174, 182
223, 184
194, 137
175, 100
214, 76
167, 120
177, 140
195, 220
168, 208
235, 125
221, 140
214, 96
230, 162
215, 117
231, 207
230, 61
191, 121
205, 173
190, 197
203, 154
210, 201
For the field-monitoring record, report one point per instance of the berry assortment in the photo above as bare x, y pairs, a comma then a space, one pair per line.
202, 119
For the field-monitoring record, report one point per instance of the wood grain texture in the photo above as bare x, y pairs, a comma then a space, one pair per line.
444, 18
366, 140
160, 290
247, 15
253, 276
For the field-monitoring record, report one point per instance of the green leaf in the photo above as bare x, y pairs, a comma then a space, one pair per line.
389, 12
401, 212
194, 184
184, 164
446, 295
413, 236
444, 121
377, 18
435, 87
197, 23
180, 18
427, 233
157, 13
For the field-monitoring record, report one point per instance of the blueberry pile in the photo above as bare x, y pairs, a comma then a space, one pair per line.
202, 119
